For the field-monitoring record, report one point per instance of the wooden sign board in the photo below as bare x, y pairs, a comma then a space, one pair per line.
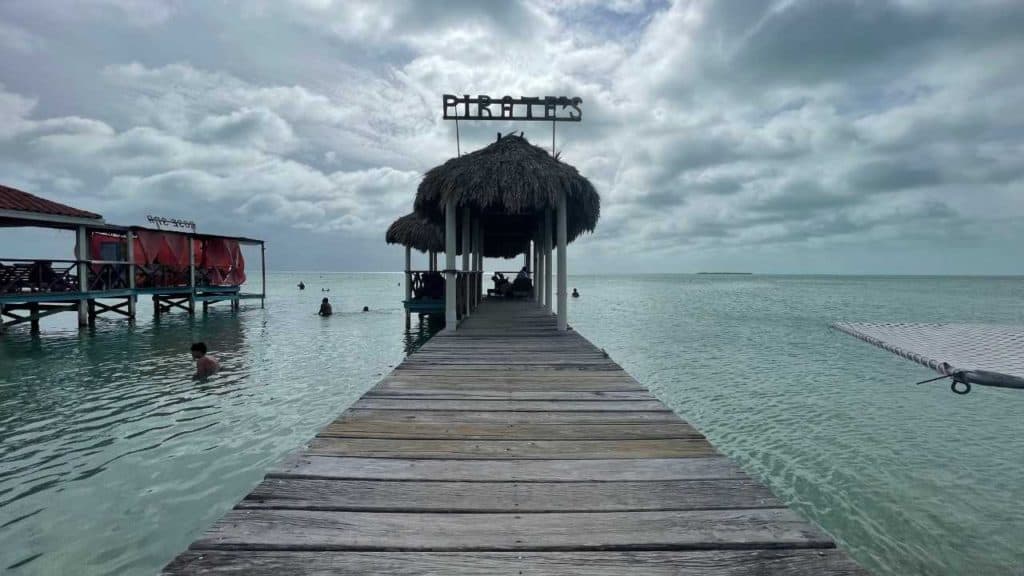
544, 109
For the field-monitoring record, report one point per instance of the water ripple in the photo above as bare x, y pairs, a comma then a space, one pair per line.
112, 459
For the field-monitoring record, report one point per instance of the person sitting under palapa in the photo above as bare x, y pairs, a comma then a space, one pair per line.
522, 286
502, 287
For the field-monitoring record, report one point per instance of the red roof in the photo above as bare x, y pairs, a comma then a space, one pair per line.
18, 201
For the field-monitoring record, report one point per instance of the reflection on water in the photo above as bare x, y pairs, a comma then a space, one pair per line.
420, 330
112, 459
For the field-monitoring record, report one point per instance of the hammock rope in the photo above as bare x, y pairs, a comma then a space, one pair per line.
979, 354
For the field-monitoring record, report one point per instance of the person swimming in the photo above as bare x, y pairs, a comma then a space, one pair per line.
325, 308
575, 294
205, 365
302, 285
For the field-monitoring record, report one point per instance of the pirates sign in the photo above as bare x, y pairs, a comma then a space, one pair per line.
540, 108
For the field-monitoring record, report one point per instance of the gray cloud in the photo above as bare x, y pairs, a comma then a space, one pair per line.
713, 130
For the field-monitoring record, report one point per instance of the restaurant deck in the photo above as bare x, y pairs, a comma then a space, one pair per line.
509, 447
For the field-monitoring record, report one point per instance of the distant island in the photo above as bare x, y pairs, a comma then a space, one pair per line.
728, 273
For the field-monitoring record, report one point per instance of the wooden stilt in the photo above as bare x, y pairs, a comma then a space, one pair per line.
131, 276
563, 296
34, 315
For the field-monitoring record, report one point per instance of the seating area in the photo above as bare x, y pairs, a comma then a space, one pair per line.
428, 285
520, 287
33, 276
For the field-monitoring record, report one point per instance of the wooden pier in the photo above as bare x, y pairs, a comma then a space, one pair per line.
509, 447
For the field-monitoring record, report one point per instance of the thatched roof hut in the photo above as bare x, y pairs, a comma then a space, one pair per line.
416, 232
509, 184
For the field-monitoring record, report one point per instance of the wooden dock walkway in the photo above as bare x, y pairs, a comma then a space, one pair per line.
508, 447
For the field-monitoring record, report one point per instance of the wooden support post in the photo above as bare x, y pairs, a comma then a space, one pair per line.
131, 275
156, 307
3, 323
34, 316
537, 266
538, 281
408, 284
450, 313
191, 276
563, 277
477, 262
263, 275
82, 249
466, 237
481, 245
92, 312
547, 259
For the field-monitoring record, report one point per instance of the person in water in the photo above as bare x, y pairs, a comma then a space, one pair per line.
523, 274
302, 285
575, 294
205, 365
325, 308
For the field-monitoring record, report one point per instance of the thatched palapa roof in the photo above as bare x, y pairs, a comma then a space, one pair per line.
509, 183
414, 231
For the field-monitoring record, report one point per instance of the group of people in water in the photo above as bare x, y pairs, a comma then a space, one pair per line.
207, 365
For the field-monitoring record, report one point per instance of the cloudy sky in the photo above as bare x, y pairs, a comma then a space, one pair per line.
785, 136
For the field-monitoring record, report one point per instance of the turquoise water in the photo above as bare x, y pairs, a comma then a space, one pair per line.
112, 460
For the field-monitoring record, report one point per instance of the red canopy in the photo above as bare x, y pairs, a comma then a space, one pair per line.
220, 258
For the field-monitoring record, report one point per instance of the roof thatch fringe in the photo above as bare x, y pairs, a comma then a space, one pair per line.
416, 232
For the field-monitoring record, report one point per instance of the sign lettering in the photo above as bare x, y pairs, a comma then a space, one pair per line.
547, 109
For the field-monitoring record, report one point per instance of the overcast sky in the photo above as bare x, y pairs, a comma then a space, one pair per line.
791, 136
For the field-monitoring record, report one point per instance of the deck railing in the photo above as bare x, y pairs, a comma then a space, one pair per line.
107, 275
429, 285
18, 275
21, 275
426, 284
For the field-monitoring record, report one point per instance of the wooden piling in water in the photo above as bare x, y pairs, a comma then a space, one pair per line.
510, 447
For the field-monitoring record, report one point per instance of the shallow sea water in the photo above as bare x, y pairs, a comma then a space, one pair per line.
112, 459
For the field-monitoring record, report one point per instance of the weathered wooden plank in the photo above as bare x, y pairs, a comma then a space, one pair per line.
793, 562
679, 530
508, 470
501, 431
511, 405
499, 497
505, 449
454, 394
503, 369
514, 381
507, 417
531, 384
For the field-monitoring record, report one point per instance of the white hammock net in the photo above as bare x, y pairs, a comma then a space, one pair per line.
947, 348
